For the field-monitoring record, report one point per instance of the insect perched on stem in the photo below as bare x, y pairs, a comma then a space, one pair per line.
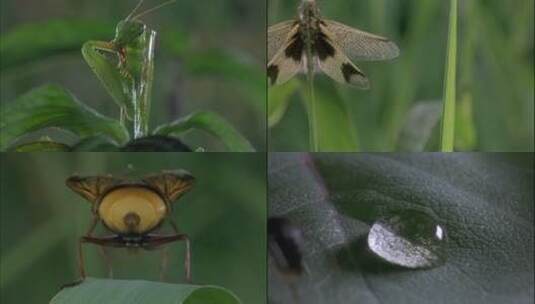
311, 44
133, 210
125, 67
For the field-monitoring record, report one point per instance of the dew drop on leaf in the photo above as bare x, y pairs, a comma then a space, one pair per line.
410, 238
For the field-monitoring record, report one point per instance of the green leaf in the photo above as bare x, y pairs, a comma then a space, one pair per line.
483, 201
37, 41
336, 132
450, 79
52, 106
278, 100
142, 292
42, 146
211, 123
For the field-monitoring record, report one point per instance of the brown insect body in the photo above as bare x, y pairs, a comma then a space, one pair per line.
132, 210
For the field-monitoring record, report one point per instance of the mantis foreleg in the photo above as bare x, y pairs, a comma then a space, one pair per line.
116, 81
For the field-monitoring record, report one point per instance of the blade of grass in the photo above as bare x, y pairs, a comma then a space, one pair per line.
448, 113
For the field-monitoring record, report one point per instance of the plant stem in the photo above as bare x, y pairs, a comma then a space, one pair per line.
448, 113
143, 86
122, 117
312, 117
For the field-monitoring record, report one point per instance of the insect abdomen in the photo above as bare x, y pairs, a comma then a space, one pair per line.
132, 210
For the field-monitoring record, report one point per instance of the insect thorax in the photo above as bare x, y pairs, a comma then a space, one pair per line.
309, 23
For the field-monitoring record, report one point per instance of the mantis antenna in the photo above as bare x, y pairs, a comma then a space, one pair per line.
154, 8
134, 10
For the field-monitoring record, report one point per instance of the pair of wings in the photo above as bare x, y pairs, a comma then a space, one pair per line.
170, 184
334, 46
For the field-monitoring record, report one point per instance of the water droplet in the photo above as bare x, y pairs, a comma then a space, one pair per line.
410, 238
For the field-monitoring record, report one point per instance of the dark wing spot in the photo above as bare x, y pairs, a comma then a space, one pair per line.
348, 70
295, 48
323, 47
273, 73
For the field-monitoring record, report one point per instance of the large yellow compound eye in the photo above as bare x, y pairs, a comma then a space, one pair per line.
132, 210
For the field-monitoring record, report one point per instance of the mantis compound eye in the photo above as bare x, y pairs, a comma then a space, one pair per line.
128, 210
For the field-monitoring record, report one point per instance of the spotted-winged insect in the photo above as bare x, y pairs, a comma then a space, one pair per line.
311, 43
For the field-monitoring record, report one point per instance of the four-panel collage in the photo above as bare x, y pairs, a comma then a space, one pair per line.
267, 152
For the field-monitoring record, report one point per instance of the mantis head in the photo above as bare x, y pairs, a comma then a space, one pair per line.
131, 28
128, 30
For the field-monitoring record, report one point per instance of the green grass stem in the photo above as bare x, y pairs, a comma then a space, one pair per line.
448, 114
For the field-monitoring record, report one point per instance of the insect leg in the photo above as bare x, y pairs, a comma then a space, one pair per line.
93, 225
100, 241
164, 263
81, 265
107, 259
156, 241
187, 259
112, 77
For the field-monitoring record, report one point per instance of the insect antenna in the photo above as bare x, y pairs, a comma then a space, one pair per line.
135, 9
154, 8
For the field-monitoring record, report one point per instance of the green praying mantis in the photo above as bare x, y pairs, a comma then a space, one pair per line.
125, 66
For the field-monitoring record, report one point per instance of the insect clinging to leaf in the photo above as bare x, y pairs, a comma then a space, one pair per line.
311, 44
133, 211
125, 66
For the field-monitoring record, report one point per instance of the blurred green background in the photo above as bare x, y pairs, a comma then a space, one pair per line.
495, 97
210, 57
41, 219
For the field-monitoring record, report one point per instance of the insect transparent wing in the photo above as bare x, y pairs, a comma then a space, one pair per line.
287, 61
171, 184
333, 62
91, 187
360, 45
282, 69
341, 69
278, 36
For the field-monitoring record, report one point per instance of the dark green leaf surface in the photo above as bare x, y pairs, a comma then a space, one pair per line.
97, 291
211, 123
37, 41
484, 201
52, 106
